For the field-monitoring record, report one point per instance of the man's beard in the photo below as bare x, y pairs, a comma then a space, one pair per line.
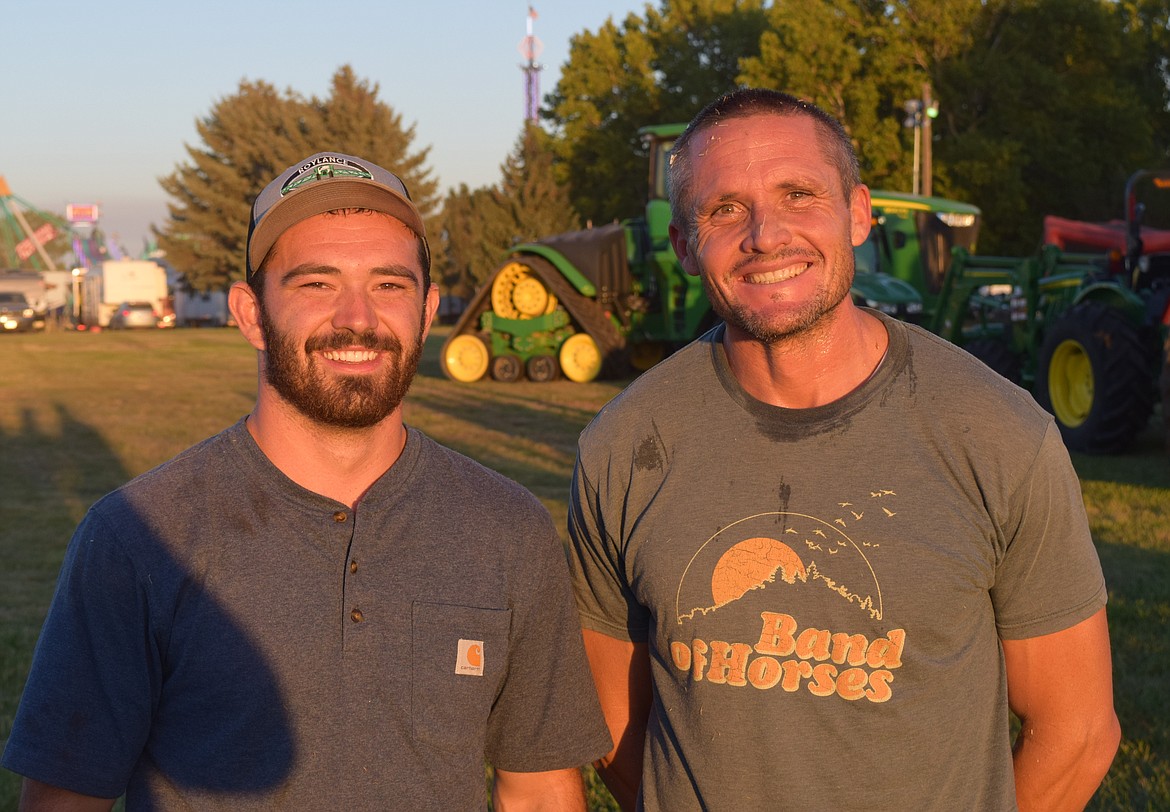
342, 401
771, 329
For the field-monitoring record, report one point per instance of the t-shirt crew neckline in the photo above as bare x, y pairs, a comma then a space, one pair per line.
796, 423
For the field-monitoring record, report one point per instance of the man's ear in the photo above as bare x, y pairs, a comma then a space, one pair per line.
860, 214
682, 249
245, 309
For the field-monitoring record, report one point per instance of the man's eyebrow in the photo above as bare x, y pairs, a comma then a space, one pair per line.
292, 274
316, 269
397, 271
786, 185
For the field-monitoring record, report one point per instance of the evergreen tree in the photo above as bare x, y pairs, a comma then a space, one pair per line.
479, 226
247, 139
470, 239
535, 205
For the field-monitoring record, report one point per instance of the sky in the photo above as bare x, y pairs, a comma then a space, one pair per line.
99, 100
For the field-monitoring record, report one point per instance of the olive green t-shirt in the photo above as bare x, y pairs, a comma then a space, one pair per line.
823, 590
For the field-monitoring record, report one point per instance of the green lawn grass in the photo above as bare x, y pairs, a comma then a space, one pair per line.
82, 413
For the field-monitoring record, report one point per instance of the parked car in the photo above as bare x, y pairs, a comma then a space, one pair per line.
133, 314
16, 315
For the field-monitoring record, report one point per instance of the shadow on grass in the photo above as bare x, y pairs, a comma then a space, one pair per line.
55, 465
1146, 464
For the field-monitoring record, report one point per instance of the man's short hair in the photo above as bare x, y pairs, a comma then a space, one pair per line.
744, 103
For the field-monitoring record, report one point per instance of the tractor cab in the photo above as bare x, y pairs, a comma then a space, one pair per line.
913, 237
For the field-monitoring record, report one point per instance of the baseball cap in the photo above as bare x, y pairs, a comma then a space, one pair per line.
325, 182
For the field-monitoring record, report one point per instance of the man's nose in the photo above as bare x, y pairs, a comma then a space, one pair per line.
354, 311
768, 231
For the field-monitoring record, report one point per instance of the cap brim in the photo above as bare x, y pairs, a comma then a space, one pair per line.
347, 193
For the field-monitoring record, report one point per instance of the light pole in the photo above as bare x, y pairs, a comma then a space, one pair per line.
914, 119
919, 115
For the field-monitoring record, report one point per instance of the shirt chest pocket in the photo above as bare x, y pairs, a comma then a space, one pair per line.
458, 658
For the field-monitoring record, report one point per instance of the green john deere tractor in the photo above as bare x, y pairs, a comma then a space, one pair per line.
598, 301
1083, 323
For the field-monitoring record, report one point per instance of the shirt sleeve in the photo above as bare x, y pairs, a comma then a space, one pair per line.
547, 716
85, 713
1049, 578
605, 599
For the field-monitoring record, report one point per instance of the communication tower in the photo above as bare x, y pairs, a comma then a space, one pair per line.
530, 48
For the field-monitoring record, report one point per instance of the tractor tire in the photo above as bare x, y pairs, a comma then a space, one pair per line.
996, 354
580, 358
587, 315
507, 368
1093, 375
542, 368
465, 358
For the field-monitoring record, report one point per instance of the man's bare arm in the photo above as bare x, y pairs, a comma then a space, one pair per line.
621, 670
38, 797
552, 791
1061, 687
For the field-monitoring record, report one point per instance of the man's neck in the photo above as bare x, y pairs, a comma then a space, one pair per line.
339, 463
813, 368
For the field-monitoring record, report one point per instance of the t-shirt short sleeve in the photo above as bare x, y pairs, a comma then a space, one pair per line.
547, 716
1049, 578
604, 595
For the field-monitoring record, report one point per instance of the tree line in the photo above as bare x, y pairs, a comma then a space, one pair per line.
1044, 107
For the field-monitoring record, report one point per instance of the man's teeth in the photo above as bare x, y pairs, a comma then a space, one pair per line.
350, 356
777, 276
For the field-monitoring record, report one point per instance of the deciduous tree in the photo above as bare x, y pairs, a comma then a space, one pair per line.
1046, 105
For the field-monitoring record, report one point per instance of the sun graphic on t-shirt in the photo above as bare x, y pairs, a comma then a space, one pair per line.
833, 555
751, 564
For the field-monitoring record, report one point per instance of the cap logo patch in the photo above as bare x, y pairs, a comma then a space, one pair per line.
321, 169
469, 659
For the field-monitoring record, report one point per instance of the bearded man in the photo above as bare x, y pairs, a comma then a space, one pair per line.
320, 607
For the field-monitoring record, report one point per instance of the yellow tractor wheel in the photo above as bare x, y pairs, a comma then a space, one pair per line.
1070, 383
466, 358
580, 358
1093, 374
518, 293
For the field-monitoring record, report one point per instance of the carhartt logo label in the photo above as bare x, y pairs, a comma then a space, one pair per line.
469, 660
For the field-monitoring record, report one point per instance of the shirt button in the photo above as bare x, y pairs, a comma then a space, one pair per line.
356, 616
353, 566
339, 516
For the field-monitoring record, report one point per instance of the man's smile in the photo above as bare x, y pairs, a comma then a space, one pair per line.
780, 275
350, 356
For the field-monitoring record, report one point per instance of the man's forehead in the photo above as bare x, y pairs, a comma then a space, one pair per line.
760, 125
385, 240
761, 146
347, 226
